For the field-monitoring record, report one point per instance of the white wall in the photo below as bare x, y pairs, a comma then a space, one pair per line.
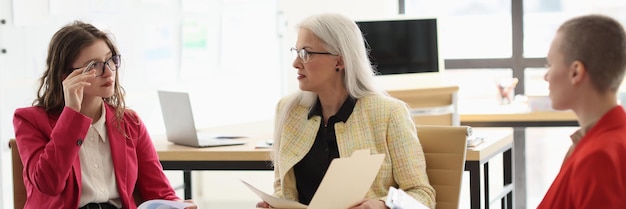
232, 73
11, 83
236, 77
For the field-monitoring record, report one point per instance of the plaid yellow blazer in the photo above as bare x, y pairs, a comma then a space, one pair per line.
379, 123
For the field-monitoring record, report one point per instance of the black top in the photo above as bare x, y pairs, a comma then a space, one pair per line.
312, 168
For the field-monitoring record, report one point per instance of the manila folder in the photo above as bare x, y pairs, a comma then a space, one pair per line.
345, 184
347, 180
275, 202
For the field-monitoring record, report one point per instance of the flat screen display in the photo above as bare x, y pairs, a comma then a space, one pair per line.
402, 46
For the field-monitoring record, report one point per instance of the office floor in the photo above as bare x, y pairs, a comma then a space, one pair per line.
545, 150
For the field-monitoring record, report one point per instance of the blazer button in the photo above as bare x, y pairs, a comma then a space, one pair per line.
79, 142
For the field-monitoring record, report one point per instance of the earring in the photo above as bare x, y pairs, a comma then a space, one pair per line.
336, 69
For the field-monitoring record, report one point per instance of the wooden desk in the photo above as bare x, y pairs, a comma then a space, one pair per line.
246, 157
497, 141
519, 118
187, 159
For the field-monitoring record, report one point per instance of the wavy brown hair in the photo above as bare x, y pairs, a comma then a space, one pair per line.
64, 49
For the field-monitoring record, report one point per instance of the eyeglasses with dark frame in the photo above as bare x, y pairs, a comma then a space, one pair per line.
304, 55
112, 63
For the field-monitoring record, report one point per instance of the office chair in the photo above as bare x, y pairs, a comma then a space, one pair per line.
444, 148
19, 190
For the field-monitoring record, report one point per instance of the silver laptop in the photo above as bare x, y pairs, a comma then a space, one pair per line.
180, 127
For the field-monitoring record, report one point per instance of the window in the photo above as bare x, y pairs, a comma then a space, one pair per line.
485, 26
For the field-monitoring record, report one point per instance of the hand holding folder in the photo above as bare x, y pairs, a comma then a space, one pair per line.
345, 184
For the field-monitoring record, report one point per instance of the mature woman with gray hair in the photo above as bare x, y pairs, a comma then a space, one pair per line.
338, 111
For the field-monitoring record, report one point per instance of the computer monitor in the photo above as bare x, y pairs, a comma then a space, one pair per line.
403, 49
401, 46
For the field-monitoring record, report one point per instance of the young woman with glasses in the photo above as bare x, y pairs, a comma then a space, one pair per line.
339, 111
80, 146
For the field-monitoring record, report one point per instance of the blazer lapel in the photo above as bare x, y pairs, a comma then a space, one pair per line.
297, 138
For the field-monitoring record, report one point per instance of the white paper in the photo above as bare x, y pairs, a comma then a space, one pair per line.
398, 199
163, 204
275, 202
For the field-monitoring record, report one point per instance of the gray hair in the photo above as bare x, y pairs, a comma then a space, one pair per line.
341, 36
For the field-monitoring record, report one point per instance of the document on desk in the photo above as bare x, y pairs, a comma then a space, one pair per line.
345, 184
474, 141
266, 144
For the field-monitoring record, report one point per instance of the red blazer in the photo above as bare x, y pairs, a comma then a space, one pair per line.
594, 176
48, 145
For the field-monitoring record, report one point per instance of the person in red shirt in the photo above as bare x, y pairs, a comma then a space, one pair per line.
587, 60
80, 146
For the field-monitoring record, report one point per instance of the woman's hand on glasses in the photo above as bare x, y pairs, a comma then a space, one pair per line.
112, 63
73, 86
